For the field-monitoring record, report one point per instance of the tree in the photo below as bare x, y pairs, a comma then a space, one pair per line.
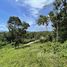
17, 29
55, 19
25, 25
14, 24
42, 20
59, 19
63, 13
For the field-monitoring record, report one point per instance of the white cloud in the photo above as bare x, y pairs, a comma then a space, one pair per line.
17, 0
3, 28
34, 5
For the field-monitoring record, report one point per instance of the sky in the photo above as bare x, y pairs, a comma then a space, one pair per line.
26, 10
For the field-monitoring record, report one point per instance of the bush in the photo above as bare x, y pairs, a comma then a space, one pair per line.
2, 44
43, 39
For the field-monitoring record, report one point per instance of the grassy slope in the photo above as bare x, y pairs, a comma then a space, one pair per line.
37, 55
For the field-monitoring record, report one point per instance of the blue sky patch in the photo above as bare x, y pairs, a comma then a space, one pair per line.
26, 10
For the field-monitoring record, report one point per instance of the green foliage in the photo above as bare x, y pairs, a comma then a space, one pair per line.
17, 30
49, 54
59, 19
46, 38
37, 35
3, 43
42, 20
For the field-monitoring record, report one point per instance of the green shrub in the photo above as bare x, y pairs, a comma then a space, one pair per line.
2, 44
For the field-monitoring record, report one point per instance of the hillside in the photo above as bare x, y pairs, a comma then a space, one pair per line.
36, 55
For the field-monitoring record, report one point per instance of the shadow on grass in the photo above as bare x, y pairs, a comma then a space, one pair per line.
25, 46
20, 47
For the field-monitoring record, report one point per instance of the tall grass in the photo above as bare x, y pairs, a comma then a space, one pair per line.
37, 55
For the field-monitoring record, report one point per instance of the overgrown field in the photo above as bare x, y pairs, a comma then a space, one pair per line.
36, 55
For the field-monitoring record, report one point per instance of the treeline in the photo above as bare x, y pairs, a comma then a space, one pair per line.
6, 38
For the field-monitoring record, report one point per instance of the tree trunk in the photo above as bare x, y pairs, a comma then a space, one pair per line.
46, 28
57, 35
